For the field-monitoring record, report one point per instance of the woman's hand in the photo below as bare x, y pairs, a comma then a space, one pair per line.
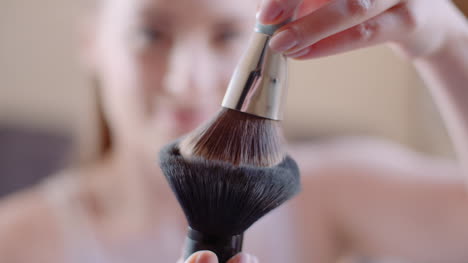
326, 27
210, 257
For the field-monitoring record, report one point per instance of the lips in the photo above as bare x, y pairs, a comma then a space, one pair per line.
187, 119
186, 116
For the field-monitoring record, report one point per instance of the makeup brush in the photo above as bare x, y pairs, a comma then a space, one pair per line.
221, 200
233, 170
246, 130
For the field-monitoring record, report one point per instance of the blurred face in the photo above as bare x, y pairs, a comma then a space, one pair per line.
164, 65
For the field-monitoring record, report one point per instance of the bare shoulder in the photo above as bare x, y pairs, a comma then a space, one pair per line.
348, 171
371, 156
384, 198
26, 221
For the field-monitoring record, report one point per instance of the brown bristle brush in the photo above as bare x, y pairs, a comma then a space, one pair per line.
236, 137
233, 170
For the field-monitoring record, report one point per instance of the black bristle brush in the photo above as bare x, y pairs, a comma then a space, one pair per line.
221, 200
232, 171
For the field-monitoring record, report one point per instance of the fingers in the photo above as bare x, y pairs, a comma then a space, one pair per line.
389, 26
202, 257
210, 257
276, 11
308, 6
243, 258
334, 17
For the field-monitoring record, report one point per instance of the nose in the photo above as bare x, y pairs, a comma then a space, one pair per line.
191, 71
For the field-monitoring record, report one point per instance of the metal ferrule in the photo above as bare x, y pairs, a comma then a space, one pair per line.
258, 85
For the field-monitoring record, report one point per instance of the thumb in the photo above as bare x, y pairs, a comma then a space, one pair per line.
203, 257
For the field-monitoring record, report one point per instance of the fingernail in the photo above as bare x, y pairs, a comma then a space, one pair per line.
207, 257
284, 40
298, 54
270, 13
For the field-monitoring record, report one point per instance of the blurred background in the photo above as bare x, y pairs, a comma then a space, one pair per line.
44, 94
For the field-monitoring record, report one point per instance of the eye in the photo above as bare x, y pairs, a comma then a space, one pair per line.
226, 36
150, 38
152, 35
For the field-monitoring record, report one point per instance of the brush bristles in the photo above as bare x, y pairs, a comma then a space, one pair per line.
238, 138
222, 199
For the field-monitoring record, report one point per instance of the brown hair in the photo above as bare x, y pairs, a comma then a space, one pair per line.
93, 134
463, 5
102, 126
94, 137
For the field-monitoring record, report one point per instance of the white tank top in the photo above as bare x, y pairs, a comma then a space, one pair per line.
83, 246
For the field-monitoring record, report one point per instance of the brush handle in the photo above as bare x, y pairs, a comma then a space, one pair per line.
225, 247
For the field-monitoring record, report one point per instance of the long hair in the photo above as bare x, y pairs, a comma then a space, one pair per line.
93, 138
92, 133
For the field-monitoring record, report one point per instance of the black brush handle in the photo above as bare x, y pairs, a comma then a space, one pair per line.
225, 247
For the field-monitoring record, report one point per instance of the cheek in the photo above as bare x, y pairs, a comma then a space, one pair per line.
152, 69
118, 69
231, 58
127, 80
223, 74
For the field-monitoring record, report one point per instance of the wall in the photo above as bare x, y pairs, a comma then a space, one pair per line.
40, 80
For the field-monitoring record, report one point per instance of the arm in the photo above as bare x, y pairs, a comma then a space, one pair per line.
446, 73
376, 198
432, 35
28, 230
